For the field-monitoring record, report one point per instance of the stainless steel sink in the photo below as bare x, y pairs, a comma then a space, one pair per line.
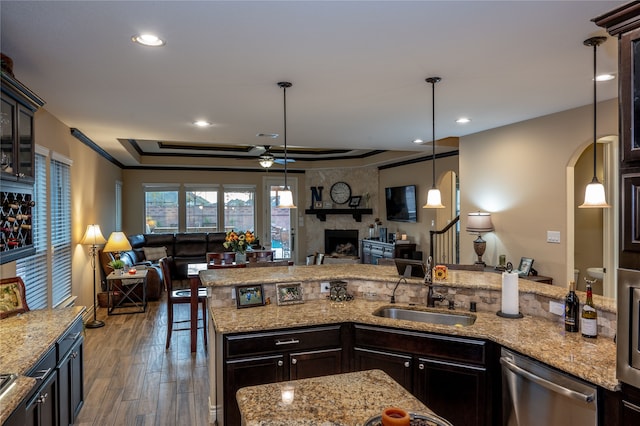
431, 317
6, 380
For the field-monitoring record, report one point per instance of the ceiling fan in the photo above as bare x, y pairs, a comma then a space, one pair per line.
266, 159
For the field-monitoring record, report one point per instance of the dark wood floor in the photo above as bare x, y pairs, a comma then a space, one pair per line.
130, 379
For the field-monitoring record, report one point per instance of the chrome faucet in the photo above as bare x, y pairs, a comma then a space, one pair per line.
428, 281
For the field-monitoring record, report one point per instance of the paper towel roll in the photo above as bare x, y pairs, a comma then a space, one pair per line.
510, 301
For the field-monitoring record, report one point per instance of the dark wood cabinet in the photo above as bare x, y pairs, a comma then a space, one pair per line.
259, 358
71, 373
42, 404
630, 406
17, 105
451, 375
372, 250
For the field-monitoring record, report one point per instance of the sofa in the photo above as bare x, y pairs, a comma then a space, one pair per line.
148, 249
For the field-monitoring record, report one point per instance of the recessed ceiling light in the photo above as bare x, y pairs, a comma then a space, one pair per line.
202, 123
463, 120
267, 135
418, 141
605, 77
149, 40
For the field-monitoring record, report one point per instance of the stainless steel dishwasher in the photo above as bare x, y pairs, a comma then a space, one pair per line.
535, 394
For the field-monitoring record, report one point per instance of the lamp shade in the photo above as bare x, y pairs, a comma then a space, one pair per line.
479, 222
93, 236
434, 200
285, 197
117, 242
594, 196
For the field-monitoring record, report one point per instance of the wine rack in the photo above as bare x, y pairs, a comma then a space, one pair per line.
16, 224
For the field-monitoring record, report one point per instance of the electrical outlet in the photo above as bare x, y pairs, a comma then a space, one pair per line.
556, 308
233, 294
325, 287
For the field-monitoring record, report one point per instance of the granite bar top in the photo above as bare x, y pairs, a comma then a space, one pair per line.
343, 399
25, 338
593, 360
473, 280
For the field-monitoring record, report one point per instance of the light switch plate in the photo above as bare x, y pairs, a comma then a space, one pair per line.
325, 287
233, 294
553, 237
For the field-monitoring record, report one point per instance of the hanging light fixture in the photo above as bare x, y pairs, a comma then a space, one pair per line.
594, 196
434, 200
285, 196
267, 159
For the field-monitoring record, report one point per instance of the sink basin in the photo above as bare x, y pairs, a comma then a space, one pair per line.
596, 273
430, 317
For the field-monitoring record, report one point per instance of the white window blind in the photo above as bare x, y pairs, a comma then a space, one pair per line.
33, 269
60, 231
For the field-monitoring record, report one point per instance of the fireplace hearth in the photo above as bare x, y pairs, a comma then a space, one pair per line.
341, 242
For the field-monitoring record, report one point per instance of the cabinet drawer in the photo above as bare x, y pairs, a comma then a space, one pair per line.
281, 341
67, 340
463, 350
47, 362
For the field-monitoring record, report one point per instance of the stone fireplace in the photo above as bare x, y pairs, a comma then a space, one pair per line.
341, 242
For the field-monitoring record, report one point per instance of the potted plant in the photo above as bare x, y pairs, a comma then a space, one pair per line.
117, 265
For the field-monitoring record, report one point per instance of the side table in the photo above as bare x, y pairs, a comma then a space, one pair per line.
130, 301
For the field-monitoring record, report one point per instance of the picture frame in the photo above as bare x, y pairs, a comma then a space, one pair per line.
525, 266
354, 201
248, 296
317, 205
289, 293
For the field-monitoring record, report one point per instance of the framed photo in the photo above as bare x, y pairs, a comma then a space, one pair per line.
354, 201
525, 266
317, 205
249, 295
289, 293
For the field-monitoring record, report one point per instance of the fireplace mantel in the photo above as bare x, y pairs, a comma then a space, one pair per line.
321, 214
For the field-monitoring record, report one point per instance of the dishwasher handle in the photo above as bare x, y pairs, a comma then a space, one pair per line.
546, 383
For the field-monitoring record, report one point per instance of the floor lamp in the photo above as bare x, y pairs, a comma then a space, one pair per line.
93, 237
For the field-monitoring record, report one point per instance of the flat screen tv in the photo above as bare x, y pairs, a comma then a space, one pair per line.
401, 203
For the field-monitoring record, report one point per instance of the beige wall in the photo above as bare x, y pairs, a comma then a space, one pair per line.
92, 198
518, 173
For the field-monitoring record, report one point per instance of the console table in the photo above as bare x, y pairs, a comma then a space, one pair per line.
372, 250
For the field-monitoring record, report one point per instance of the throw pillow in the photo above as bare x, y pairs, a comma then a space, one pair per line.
154, 253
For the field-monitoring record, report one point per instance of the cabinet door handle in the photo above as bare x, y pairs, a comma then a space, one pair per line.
294, 361
280, 363
421, 366
74, 355
287, 342
43, 374
72, 336
42, 398
407, 364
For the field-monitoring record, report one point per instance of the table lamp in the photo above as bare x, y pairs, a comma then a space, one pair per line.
478, 223
117, 243
93, 237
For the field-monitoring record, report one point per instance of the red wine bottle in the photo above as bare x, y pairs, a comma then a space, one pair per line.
571, 309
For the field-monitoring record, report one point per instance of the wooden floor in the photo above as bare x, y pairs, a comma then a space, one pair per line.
130, 379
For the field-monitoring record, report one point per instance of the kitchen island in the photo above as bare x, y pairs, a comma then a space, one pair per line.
539, 334
341, 400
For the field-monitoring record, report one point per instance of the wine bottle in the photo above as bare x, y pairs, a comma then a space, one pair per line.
589, 323
571, 309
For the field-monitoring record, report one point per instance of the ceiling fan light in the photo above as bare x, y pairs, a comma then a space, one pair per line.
434, 200
266, 160
285, 199
594, 196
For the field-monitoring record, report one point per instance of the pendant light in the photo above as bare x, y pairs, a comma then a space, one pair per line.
594, 196
285, 196
434, 200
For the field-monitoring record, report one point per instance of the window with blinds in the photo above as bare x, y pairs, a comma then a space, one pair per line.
60, 231
34, 269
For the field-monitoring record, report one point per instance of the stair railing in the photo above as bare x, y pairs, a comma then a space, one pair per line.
444, 244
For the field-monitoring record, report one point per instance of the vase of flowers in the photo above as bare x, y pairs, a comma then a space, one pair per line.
239, 242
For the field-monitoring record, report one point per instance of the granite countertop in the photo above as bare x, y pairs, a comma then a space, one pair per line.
542, 339
343, 399
25, 339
